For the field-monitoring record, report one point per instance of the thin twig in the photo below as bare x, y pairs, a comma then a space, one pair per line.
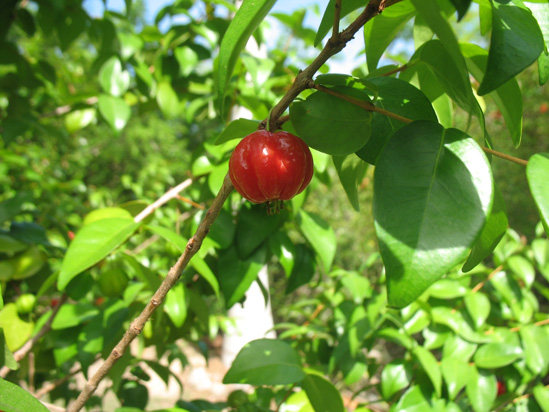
27, 346
50, 386
337, 16
362, 103
372, 108
304, 78
506, 157
488, 278
169, 195
286, 396
397, 70
193, 245
536, 324
191, 202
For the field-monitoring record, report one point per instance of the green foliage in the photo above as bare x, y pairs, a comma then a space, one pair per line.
101, 115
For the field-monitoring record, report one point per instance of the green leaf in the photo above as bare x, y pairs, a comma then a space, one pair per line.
204, 270
461, 7
129, 44
492, 233
12, 207
447, 289
508, 96
320, 235
176, 305
430, 365
113, 78
400, 97
452, 76
15, 399
432, 193
169, 235
298, 402
351, 171
496, 355
537, 173
320, 118
534, 341
248, 17
303, 268
414, 400
167, 100
478, 306
456, 373
79, 119
540, 10
541, 394
458, 348
16, 330
70, 315
236, 275
266, 362
187, 59
481, 390
237, 129
93, 243
396, 375
381, 31
115, 111
516, 42
322, 394
283, 248
106, 213
523, 269
6, 357
254, 226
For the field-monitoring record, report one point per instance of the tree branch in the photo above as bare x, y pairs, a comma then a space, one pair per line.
193, 245
337, 17
304, 78
372, 108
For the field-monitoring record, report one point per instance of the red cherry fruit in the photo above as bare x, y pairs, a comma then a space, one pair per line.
266, 167
501, 388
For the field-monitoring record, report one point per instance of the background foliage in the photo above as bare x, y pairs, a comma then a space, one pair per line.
100, 116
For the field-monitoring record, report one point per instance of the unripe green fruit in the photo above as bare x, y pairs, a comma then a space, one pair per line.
25, 303
237, 398
113, 282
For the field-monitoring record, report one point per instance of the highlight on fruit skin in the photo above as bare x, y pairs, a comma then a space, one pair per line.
270, 167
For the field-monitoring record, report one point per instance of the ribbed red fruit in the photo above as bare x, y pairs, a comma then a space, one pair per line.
267, 166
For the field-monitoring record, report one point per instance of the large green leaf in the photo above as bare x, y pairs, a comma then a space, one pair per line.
167, 100
452, 77
507, 97
380, 31
481, 390
534, 341
248, 17
15, 399
237, 129
330, 124
496, 355
91, 244
516, 42
115, 111
430, 365
320, 235
236, 275
113, 78
396, 375
322, 394
16, 330
6, 357
456, 373
537, 173
351, 171
266, 362
414, 400
400, 97
432, 193
492, 233
254, 226
461, 7
540, 10
176, 305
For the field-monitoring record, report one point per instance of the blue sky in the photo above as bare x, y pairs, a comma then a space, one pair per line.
340, 64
